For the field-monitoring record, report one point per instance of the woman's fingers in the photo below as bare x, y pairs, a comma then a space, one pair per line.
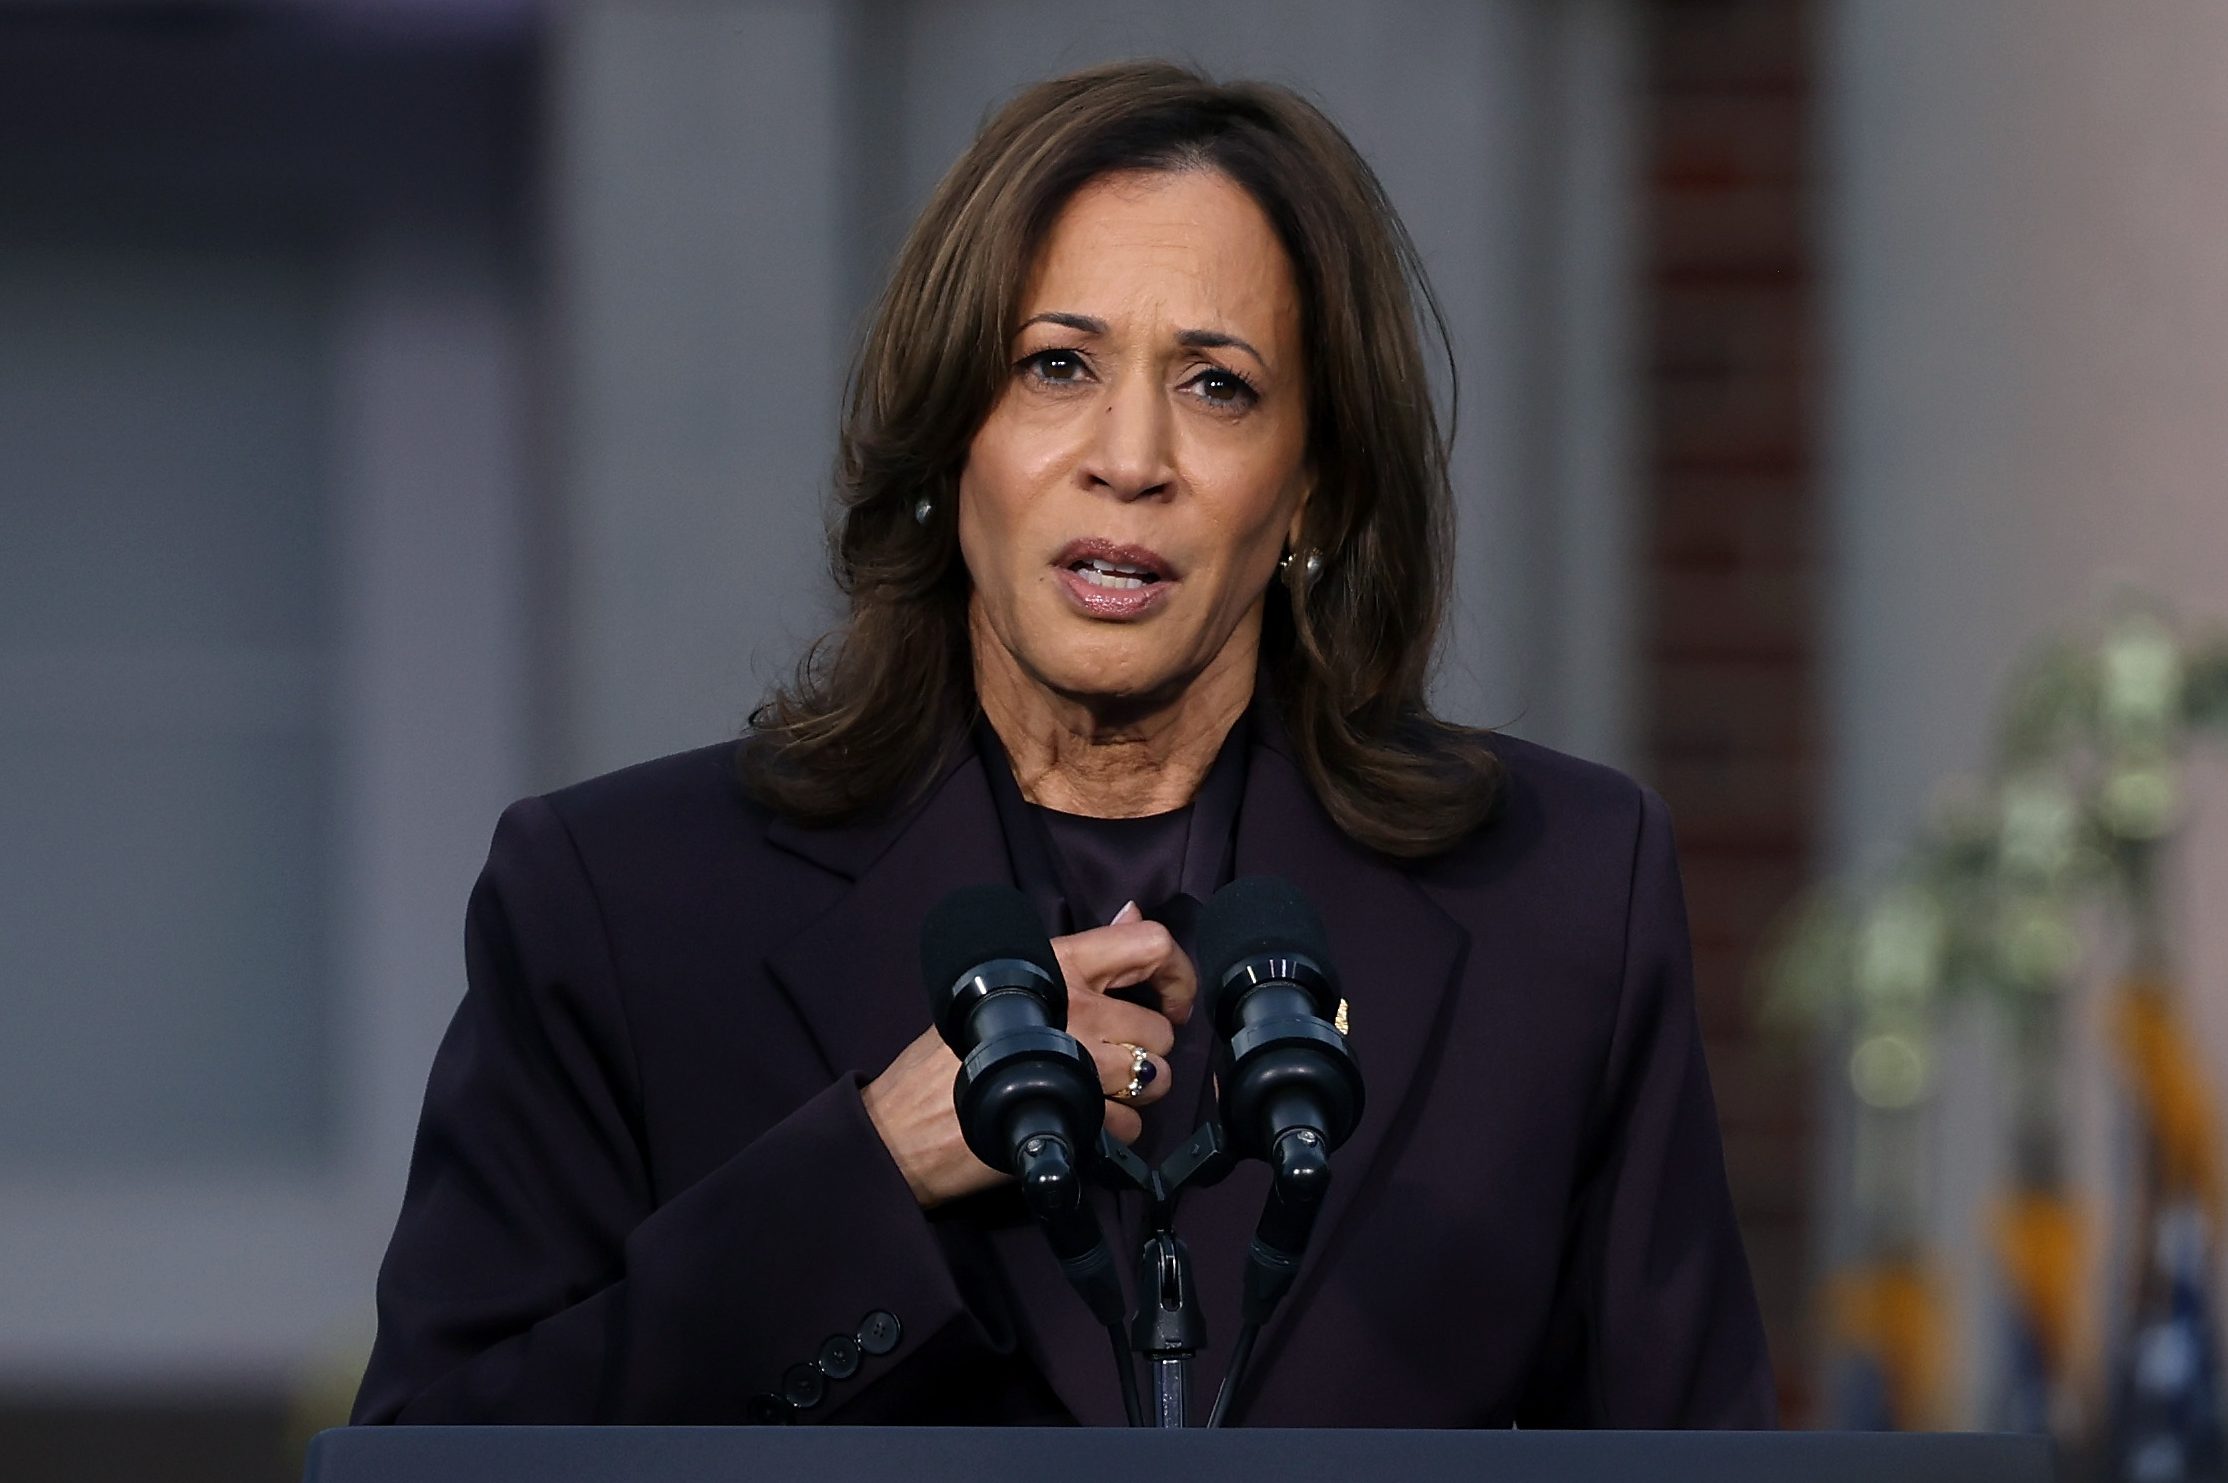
1092, 1019
1123, 1122
1124, 954
1119, 1065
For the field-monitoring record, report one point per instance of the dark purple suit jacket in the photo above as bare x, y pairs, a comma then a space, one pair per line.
644, 1189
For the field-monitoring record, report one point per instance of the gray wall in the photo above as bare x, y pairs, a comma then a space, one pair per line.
263, 653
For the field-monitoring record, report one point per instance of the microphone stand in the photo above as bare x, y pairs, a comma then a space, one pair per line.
1170, 1328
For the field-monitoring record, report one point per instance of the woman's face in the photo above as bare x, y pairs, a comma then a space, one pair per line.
1123, 507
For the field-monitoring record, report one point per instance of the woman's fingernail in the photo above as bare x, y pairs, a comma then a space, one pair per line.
1128, 913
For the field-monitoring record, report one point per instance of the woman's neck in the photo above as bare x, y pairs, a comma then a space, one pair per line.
1111, 760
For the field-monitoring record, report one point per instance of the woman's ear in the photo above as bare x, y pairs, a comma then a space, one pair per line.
1298, 522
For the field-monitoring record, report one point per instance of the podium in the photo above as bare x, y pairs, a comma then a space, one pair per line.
837, 1454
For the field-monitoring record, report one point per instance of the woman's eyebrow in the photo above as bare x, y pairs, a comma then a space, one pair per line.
1217, 340
1083, 322
1189, 339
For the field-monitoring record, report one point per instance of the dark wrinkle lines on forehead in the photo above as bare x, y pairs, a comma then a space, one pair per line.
1189, 339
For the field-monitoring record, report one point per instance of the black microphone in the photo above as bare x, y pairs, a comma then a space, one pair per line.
1291, 1092
1027, 1095
1000, 1003
1272, 994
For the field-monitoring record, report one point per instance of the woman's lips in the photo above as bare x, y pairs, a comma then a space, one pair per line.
1112, 602
1106, 580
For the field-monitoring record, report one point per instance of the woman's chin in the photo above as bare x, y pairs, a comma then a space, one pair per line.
1111, 677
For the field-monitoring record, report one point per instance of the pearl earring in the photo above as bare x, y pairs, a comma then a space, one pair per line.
922, 509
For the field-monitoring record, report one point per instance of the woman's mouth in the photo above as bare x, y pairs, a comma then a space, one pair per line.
1109, 581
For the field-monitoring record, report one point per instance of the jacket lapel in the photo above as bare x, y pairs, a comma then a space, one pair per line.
1398, 956
853, 977
853, 974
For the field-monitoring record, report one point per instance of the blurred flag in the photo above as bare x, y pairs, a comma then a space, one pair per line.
2038, 1253
2167, 1422
1891, 1344
2167, 1425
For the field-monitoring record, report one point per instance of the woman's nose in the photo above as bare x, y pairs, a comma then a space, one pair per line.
1130, 455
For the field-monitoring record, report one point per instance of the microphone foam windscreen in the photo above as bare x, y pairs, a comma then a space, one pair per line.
974, 925
1252, 916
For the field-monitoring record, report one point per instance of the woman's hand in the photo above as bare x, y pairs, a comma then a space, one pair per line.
1127, 953
910, 1103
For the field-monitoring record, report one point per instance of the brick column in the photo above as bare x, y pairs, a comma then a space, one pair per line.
1730, 612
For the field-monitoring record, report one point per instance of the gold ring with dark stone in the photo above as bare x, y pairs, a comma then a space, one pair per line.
1140, 1072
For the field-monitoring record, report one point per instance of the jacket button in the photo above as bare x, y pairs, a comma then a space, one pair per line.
802, 1386
839, 1357
767, 1409
879, 1332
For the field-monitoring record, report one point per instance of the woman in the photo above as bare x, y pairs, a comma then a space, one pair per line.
1144, 535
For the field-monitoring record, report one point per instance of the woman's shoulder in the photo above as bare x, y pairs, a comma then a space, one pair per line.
643, 828
1559, 817
1577, 793
662, 803
1564, 873
670, 861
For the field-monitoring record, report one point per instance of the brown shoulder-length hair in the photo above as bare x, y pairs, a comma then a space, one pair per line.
876, 704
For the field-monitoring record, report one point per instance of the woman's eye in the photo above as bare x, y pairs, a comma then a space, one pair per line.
1224, 388
1055, 365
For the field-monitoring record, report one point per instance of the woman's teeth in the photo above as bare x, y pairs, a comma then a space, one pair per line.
1109, 574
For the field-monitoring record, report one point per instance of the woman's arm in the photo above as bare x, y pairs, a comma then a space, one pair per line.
1656, 1323
531, 1279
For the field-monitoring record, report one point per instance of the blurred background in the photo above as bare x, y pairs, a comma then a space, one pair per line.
406, 405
